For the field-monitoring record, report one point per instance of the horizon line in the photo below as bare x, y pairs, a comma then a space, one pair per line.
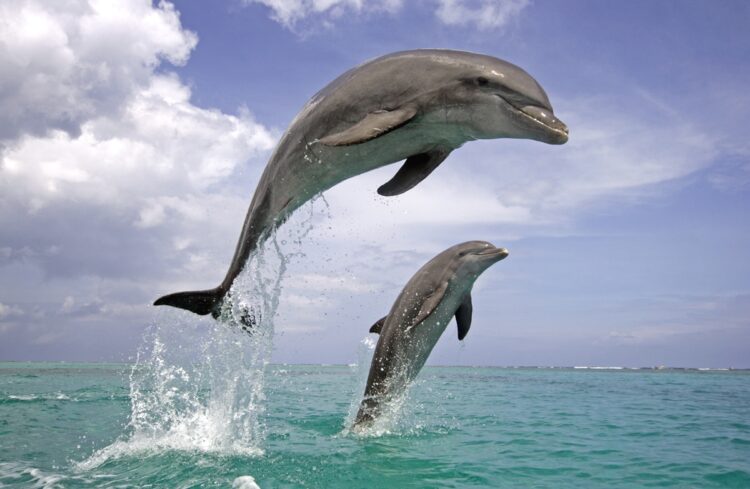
569, 367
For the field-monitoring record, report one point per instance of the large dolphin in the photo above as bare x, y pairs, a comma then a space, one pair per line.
440, 290
413, 105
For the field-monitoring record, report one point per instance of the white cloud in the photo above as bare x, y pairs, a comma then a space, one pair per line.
485, 14
290, 12
66, 62
446, 198
158, 150
8, 311
613, 151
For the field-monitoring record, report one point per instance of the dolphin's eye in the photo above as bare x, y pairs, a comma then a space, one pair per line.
482, 81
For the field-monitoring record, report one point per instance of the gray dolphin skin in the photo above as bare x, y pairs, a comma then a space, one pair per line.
416, 106
440, 290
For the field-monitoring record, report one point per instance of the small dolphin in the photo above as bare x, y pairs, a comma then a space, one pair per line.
413, 105
437, 292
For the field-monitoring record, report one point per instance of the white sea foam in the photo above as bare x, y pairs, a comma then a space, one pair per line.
39, 479
44, 480
596, 367
245, 482
57, 396
23, 397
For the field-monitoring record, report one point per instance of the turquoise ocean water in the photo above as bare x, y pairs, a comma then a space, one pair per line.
171, 424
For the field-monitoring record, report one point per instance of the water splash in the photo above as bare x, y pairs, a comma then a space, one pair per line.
198, 383
396, 417
415, 410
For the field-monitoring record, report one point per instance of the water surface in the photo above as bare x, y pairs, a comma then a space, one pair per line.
71, 425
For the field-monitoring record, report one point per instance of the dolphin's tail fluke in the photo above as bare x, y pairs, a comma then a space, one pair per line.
199, 301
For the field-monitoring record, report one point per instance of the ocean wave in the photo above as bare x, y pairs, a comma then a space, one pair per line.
56, 396
61, 397
14, 473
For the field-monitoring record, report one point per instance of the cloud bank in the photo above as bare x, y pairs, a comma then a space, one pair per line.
104, 157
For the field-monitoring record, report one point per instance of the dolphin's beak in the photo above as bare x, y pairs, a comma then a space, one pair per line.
557, 129
497, 253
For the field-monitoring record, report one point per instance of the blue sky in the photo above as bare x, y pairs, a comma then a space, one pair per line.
132, 137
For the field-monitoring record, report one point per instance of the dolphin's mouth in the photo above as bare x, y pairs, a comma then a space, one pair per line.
498, 252
543, 117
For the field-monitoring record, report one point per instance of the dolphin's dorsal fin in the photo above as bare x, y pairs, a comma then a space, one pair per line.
430, 303
378, 326
415, 169
463, 317
373, 125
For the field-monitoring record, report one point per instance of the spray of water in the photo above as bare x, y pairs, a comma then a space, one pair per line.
398, 416
198, 383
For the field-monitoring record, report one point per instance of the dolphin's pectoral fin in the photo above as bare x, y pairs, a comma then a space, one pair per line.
378, 326
415, 169
463, 317
430, 304
373, 125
